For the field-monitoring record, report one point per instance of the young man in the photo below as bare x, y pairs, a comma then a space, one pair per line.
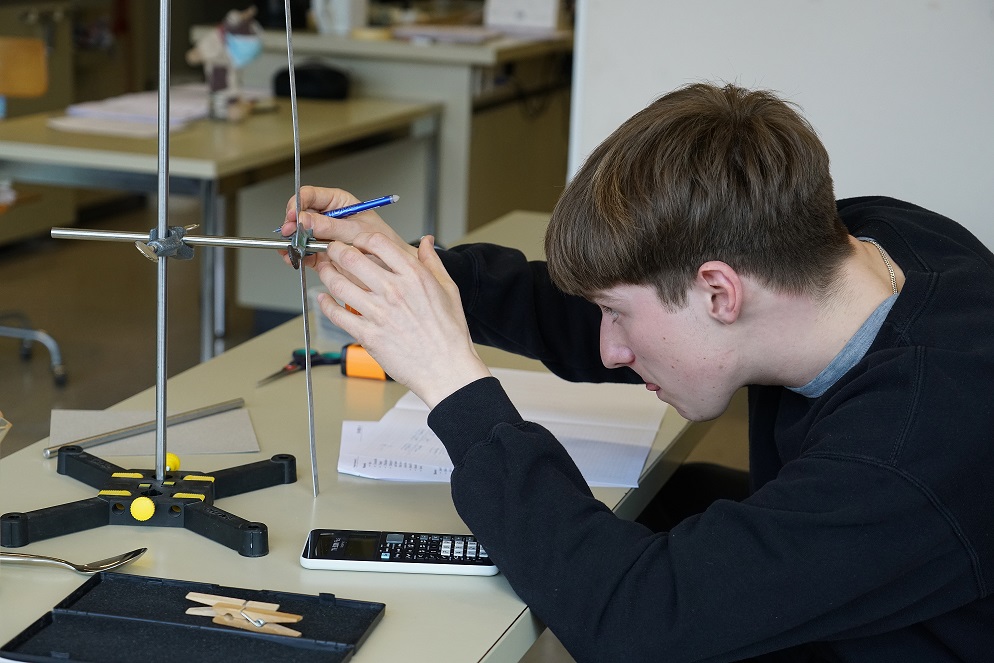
706, 235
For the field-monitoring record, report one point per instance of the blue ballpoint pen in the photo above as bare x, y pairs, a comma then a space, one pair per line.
349, 210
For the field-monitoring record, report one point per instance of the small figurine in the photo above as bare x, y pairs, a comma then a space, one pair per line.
223, 52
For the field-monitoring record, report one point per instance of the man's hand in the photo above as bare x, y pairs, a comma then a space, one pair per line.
410, 314
314, 200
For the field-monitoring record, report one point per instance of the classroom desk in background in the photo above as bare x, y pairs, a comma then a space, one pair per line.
506, 109
428, 618
502, 136
212, 160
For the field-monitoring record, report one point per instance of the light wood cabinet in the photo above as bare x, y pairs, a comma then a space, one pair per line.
39, 208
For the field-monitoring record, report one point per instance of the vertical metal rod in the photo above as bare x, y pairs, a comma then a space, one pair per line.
208, 287
163, 230
220, 272
299, 242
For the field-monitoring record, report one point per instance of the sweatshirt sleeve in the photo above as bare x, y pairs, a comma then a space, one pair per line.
738, 580
512, 304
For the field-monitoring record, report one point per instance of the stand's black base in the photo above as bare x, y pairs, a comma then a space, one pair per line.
136, 497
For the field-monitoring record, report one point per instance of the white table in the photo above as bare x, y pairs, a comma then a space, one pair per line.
428, 618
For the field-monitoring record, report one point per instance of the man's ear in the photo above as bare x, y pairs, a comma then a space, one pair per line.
724, 289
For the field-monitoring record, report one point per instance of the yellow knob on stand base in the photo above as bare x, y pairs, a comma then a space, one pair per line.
142, 508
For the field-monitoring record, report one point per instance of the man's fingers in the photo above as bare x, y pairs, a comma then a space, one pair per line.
360, 267
342, 286
428, 257
397, 258
312, 201
321, 199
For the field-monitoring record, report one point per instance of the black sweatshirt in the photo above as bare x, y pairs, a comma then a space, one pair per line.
869, 535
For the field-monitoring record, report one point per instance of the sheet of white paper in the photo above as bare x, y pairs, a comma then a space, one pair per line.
226, 432
104, 127
360, 460
606, 456
401, 447
607, 430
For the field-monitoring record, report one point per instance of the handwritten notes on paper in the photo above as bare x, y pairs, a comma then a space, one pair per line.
379, 461
607, 429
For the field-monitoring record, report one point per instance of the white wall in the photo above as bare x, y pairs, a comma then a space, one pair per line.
901, 91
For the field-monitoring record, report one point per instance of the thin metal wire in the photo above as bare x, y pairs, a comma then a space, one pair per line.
299, 242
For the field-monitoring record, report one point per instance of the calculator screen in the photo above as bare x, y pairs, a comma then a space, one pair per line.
352, 545
361, 546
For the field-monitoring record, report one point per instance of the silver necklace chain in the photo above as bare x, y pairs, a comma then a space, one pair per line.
887, 263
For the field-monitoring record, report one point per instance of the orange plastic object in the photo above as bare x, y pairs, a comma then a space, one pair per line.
358, 363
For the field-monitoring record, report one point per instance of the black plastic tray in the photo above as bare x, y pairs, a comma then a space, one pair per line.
122, 618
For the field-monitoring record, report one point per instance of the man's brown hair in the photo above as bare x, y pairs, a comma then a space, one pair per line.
703, 173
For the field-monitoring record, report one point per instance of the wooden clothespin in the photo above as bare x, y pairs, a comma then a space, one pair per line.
249, 612
211, 599
256, 616
265, 627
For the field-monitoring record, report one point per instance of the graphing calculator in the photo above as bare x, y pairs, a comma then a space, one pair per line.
396, 552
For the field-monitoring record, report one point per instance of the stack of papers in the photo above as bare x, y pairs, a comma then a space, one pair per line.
186, 103
607, 429
136, 115
453, 34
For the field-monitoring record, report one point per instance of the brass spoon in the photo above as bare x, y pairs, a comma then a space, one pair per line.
89, 567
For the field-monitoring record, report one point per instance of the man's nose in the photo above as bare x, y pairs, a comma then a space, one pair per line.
615, 353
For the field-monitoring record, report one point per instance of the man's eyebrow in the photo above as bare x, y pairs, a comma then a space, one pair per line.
604, 298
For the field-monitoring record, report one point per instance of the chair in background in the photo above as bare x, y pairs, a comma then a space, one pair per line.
24, 74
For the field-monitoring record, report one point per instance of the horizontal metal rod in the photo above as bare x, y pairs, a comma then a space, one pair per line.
192, 240
147, 426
